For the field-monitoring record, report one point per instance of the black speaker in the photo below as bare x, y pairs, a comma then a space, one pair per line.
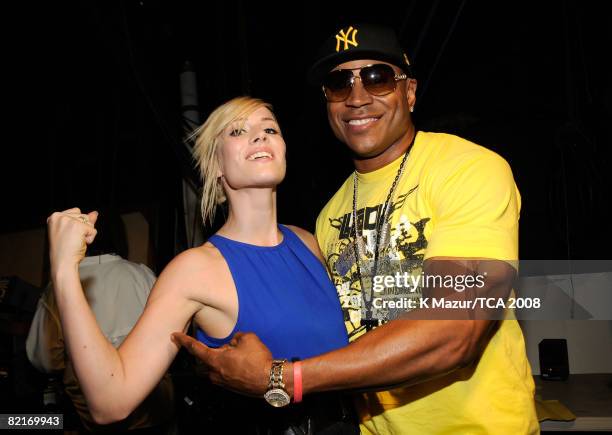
554, 365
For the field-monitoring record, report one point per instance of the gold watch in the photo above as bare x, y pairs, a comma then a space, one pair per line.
276, 394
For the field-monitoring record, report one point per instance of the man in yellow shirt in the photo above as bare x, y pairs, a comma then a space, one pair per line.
418, 203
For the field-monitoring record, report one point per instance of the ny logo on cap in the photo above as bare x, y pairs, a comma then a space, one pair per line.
343, 37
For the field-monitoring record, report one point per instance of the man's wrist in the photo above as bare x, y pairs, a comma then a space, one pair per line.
288, 378
266, 375
276, 393
297, 381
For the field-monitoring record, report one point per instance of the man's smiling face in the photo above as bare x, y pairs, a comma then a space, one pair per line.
371, 125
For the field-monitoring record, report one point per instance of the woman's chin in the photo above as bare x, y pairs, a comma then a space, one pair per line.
258, 183
270, 179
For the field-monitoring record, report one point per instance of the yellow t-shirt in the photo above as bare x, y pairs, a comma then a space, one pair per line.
454, 199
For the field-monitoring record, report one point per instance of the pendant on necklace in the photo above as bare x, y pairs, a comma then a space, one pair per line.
346, 259
364, 262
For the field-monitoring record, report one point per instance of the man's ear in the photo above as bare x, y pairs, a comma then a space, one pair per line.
411, 87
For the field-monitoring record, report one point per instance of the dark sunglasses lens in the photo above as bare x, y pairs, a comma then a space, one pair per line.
378, 79
337, 85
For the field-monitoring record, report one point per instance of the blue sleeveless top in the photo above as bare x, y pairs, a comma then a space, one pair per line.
284, 296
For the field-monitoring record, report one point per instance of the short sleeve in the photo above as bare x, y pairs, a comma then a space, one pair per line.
45, 342
476, 206
148, 277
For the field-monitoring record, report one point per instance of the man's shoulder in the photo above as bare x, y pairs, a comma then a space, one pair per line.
448, 154
453, 146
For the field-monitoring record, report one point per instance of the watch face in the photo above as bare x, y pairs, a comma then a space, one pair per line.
277, 397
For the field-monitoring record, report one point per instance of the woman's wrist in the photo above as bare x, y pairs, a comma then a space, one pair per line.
64, 273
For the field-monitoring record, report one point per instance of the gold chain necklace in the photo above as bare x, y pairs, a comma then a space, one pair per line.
382, 228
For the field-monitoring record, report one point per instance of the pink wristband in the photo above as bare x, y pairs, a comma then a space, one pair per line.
297, 381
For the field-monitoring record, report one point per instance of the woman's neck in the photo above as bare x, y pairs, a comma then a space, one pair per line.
252, 217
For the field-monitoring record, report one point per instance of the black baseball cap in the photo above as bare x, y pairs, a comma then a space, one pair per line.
359, 41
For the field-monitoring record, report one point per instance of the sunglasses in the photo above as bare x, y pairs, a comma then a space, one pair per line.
377, 79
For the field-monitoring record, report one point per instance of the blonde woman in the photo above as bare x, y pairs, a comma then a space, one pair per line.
252, 275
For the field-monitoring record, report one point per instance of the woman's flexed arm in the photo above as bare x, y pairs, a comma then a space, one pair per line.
115, 381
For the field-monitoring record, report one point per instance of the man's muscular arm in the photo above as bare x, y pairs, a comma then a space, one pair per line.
424, 344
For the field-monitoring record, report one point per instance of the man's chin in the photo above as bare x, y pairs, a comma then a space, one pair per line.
366, 151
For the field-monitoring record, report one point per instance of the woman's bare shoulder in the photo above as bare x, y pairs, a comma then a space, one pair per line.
202, 256
193, 267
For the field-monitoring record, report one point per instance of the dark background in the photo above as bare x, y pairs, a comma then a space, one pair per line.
99, 122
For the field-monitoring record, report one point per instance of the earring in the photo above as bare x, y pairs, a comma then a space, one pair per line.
411, 109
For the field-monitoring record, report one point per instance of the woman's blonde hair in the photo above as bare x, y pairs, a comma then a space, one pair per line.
207, 141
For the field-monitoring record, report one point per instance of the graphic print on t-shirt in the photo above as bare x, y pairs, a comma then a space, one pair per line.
401, 252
